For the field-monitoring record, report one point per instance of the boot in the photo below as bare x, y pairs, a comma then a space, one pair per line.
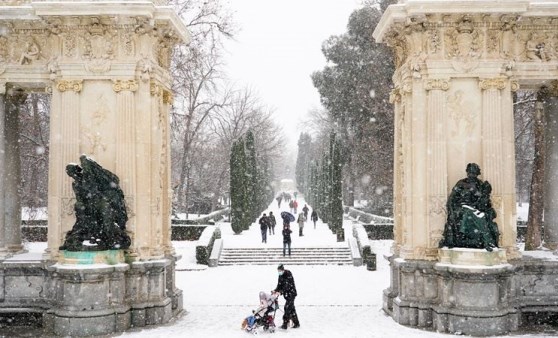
285, 325
296, 323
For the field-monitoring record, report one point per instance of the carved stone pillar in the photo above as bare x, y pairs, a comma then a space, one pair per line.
64, 149
551, 168
495, 115
2, 165
396, 100
437, 189
12, 183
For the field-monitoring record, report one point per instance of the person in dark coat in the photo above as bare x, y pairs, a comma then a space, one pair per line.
314, 217
286, 287
272, 223
263, 227
305, 211
286, 238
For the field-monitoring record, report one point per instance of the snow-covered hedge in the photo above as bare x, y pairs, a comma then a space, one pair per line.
205, 244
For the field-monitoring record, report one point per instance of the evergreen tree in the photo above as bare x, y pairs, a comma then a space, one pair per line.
238, 187
252, 176
302, 160
336, 203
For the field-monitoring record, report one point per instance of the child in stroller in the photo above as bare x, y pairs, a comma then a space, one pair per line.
264, 315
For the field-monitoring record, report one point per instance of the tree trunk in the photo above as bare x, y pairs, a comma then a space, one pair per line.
536, 199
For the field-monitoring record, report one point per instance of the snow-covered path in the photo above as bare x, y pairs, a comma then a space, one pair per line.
333, 301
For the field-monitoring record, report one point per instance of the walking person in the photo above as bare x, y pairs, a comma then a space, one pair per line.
305, 211
291, 206
263, 227
279, 199
295, 206
301, 219
286, 238
314, 217
286, 287
272, 222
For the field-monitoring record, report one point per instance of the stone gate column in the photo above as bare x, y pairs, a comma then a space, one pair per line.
437, 189
551, 168
12, 183
2, 166
496, 114
64, 149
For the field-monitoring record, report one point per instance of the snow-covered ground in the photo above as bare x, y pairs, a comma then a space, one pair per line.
333, 301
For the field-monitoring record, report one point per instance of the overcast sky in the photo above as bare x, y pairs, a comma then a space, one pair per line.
279, 46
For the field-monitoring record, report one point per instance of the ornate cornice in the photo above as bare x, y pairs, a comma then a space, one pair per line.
125, 85
437, 84
495, 83
65, 85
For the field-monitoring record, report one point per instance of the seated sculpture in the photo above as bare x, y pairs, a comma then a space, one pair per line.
470, 216
100, 209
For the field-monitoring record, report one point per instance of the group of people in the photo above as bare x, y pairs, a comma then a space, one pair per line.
267, 223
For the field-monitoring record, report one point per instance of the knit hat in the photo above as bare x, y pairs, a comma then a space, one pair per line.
281, 267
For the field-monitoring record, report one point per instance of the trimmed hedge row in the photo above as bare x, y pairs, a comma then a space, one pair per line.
205, 244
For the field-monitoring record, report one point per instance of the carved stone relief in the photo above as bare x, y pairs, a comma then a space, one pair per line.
462, 118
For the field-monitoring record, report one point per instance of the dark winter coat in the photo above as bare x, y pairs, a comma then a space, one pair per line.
314, 216
287, 235
272, 220
264, 223
305, 210
286, 285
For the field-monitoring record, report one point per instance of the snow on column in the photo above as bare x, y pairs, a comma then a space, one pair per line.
436, 163
551, 169
396, 100
12, 184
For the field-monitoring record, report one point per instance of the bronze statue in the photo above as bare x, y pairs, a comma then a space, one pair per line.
470, 221
100, 209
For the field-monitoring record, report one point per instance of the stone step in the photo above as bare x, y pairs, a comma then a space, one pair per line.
299, 256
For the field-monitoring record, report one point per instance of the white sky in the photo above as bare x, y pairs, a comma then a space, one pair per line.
279, 46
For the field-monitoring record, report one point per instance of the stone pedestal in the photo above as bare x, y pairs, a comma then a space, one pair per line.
89, 300
464, 298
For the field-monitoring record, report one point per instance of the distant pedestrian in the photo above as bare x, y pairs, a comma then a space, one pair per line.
263, 227
291, 206
286, 238
279, 199
301, 219
272, 222
305, 211
314, 217
295, 194
295, 206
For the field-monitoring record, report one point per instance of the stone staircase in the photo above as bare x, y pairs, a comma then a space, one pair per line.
299, 256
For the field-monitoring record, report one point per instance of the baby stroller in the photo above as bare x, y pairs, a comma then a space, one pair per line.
263, 316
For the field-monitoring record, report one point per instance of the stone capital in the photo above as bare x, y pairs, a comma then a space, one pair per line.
394, 96
436, 84
167, 97
155, 89
494, 83
125, 85
66, 85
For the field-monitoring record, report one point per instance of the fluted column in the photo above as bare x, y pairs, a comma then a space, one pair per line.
126, 139
395, 99
12, 174
551, 168
64, 149
166, 175
437, 189
495, 113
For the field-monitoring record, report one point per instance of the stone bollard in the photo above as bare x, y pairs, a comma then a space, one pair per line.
370, 261
340, 235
